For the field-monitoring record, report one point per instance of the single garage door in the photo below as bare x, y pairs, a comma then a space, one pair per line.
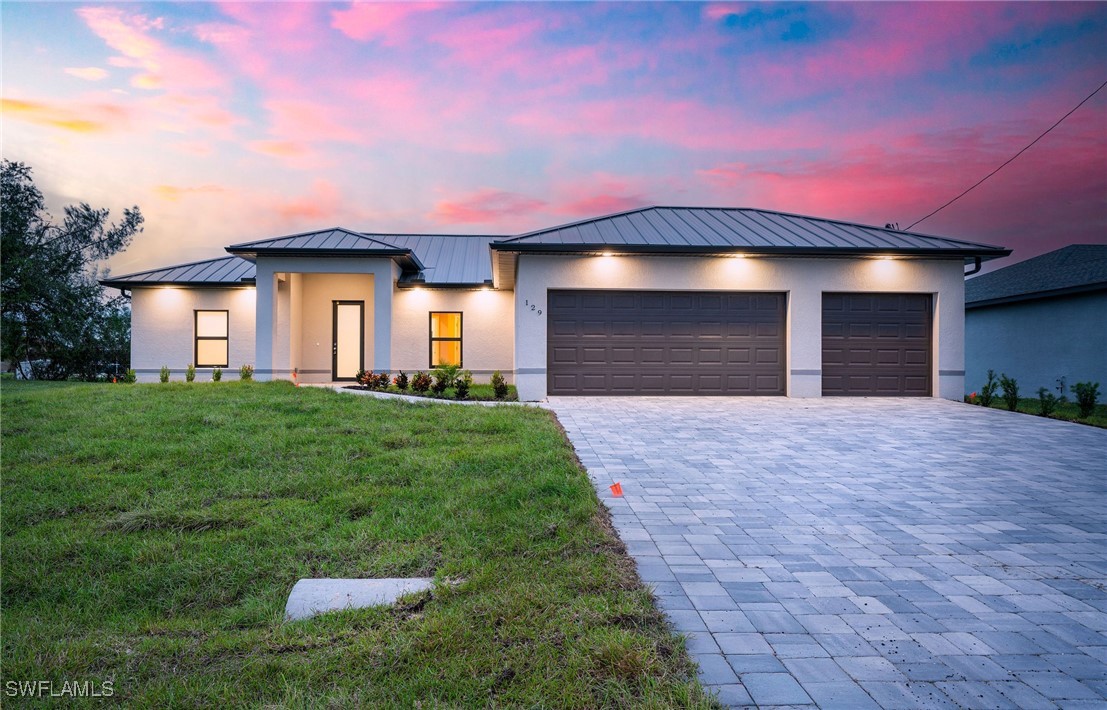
665, 343
876, 344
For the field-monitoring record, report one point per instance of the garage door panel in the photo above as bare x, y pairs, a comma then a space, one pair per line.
877, 344
666, 343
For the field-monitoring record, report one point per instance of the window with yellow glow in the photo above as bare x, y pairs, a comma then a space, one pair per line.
211, 339
445, 339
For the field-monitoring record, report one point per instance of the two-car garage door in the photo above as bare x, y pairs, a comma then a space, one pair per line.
731, 343
665, 343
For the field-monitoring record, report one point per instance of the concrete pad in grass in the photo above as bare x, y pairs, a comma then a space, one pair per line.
316, 596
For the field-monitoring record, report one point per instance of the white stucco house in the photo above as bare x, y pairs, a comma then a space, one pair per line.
654, 301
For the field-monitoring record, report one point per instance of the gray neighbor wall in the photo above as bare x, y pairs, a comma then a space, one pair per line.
1039, 341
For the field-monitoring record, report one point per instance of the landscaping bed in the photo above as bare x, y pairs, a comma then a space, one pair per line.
477, 393
1065, 411
151, 534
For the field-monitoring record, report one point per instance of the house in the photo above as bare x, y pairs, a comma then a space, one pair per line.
653, 301
1042, 321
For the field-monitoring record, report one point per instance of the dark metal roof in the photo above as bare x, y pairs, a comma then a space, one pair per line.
712, 230
327, 242
225, 271
447, 258
1074, 269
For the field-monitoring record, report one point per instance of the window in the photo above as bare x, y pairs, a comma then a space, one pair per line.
445, 339
211, 339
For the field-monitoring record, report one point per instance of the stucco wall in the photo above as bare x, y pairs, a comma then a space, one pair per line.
163, 329
804, 280
1038, 342
488, 329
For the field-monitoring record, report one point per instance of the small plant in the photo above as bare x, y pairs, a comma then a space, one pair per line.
1047, 402
130, 376
449, 373
464, 382
401, 381
971, 399
362, 377
381, 381
988, 391
190, 373
163, 376
441, 381
421, 382
499, 385
246, 373
217, 374
1010, 388
1086, 395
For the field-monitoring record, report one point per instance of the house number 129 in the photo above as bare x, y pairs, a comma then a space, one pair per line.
531, 306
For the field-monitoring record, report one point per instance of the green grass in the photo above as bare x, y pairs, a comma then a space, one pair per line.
480, 393
151, 534
1069, 411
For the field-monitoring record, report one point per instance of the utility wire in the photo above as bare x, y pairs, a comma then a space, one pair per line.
1008, 162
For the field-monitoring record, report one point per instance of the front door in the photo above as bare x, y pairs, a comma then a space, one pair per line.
348, 344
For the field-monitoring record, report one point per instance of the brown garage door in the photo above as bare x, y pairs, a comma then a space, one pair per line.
665, 343
876, 344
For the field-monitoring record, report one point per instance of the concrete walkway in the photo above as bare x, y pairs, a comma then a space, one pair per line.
863, 553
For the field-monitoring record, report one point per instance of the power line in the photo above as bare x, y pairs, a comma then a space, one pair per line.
1008, 162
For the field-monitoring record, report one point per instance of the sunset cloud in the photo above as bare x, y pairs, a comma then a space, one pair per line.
84, 118
486, 206
87, 73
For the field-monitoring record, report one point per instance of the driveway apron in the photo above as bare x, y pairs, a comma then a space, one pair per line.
863, 553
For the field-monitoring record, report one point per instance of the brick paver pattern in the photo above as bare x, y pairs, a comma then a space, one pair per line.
863, 553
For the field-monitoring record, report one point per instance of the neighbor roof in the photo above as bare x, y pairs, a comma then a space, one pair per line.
1073, 269
713, 230
223, 272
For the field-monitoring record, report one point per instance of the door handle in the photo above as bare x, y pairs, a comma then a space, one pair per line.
334, 348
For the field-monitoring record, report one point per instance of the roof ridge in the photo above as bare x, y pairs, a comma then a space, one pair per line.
359, 235
173, 266
828, 220
577, 223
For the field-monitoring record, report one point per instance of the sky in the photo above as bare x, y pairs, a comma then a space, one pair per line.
231, 122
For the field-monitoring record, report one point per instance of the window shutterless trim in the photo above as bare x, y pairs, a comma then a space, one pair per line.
196, 337
433, 340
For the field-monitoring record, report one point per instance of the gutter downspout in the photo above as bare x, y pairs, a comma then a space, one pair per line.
975, 266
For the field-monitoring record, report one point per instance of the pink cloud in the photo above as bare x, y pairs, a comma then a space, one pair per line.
384, 22
598, 194
323, 202
485, 206
88, 73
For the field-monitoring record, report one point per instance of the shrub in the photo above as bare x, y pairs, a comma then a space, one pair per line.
381, 381
1047, 402
499, 385
449, 373
190, 372
1086, 395
401, 381
441, 381
217, 374
988, 391
130, 377
421, 382
164, 374
246, 373
1010, 387
464, 382
362, 377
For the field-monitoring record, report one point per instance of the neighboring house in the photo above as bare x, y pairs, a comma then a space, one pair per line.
655, 301
1041, 321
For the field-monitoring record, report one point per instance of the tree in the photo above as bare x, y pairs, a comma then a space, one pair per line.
53, 312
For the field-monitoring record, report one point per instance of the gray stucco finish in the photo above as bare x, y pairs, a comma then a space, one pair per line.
1039, 341
864, 552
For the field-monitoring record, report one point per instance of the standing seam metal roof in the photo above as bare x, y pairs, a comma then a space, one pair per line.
226, 271
736, 228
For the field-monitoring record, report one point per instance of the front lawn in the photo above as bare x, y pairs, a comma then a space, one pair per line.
151, 534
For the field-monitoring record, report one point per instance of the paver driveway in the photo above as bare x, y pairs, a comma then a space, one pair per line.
864, 552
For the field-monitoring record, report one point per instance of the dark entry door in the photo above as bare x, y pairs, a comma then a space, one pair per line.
665, 343
877, 344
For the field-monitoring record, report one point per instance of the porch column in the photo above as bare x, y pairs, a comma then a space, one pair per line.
382, 316
264, 328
